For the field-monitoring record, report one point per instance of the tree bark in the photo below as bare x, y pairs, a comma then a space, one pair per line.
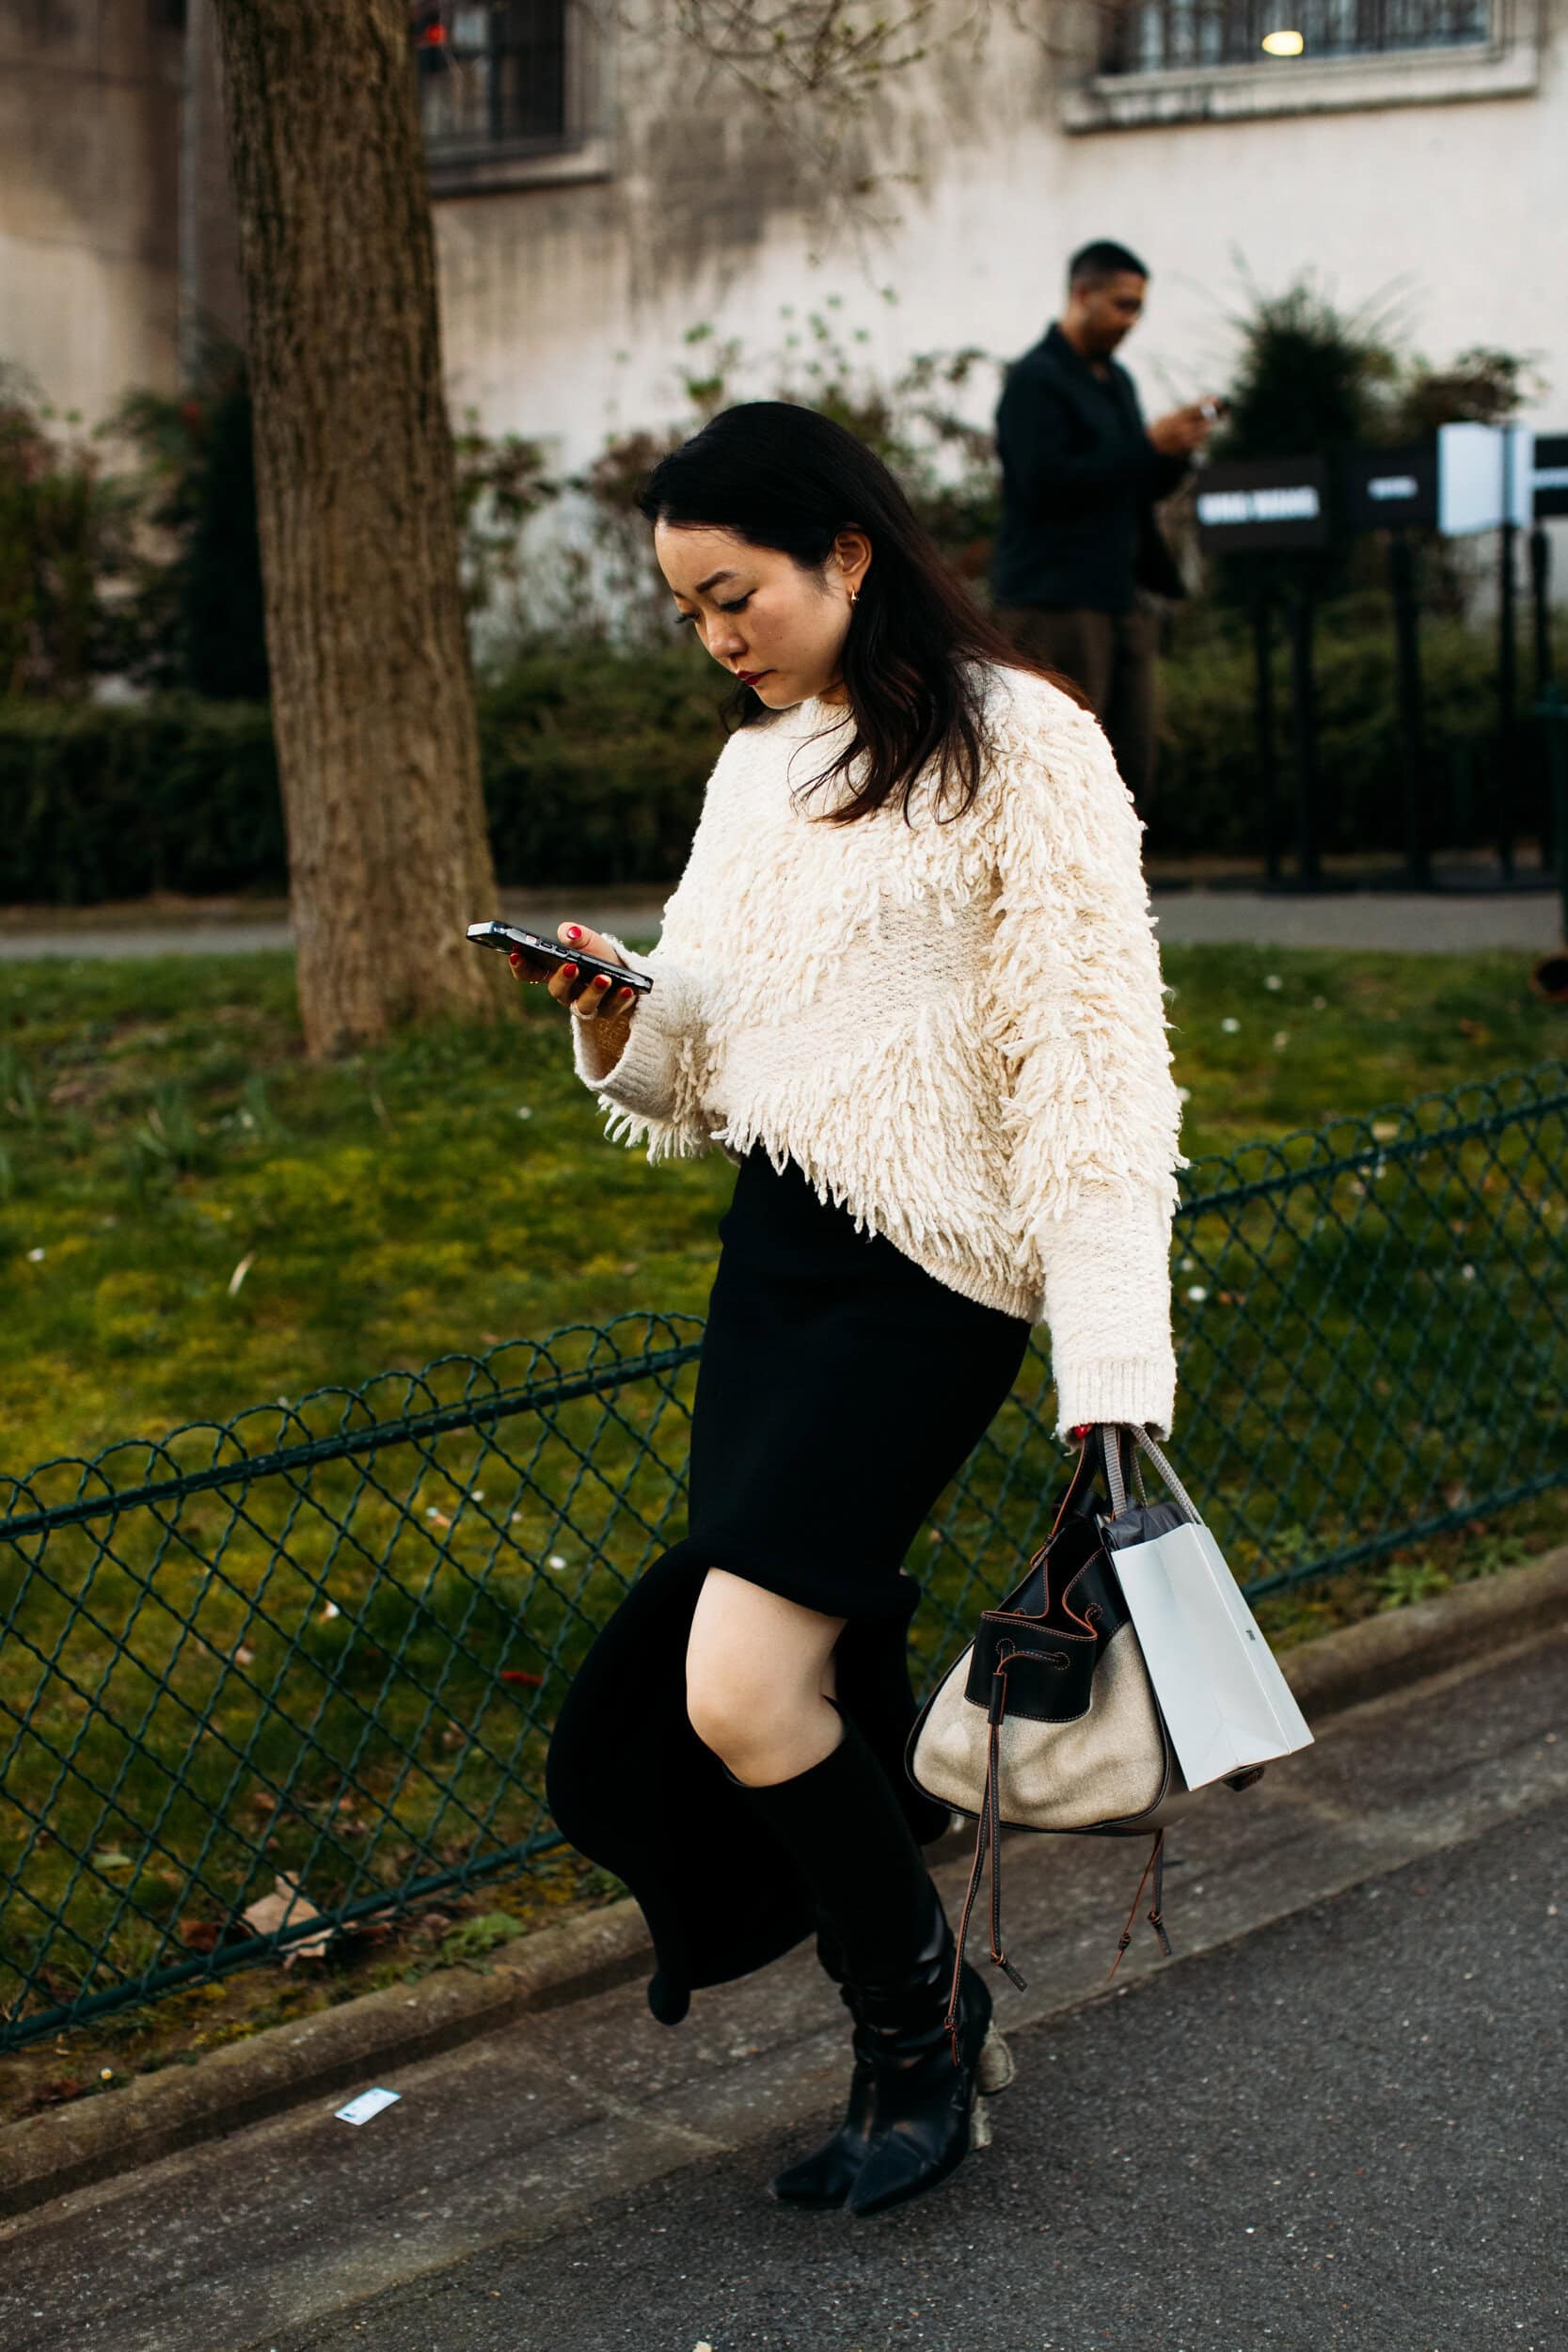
373, 705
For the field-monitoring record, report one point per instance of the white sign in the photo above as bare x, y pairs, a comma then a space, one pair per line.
1485, 477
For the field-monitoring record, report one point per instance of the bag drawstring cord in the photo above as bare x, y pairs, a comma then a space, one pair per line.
1156, 1904
988, 1837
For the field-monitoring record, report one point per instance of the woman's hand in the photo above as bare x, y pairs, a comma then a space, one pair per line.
588, 999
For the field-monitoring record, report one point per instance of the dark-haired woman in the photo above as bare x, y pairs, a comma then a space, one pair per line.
907, 984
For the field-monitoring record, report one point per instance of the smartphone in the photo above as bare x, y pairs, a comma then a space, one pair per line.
549, 954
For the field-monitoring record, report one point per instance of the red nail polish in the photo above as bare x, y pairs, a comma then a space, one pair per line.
601, 980
572, 932
568, 971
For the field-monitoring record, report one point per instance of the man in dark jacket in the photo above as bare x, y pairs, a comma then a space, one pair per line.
1079, 555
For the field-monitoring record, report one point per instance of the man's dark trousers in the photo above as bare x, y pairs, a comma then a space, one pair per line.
1079, 557
1111, 656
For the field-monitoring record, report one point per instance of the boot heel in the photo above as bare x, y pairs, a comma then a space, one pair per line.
996, 2067
979, 2125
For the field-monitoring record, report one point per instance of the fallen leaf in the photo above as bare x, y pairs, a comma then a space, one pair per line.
110, 1860
199, 1936
516, 1674
287, 1905
54, 2094
240, 1272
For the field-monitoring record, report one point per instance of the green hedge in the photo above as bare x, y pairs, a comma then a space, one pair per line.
104, 800
1211, 795
593, 772
594, 764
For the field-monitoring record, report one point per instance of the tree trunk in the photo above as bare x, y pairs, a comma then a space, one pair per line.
371, 702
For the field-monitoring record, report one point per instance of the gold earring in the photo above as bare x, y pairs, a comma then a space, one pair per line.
854, 595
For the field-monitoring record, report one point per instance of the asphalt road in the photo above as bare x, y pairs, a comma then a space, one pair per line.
1336, 2119
1452, 923
1347, 2131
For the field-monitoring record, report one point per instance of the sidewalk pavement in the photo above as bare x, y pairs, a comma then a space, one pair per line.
1526, 922
1328, 2123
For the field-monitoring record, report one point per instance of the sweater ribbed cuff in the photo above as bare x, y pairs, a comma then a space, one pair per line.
1131, 1389
643, 1079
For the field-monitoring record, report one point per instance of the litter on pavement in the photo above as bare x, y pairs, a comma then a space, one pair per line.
369, 2102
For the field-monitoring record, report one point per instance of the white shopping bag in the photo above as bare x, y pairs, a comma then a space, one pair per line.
1224, 1701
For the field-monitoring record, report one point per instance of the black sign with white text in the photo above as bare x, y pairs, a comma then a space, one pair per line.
1263, 503
1551, 474
1387, 488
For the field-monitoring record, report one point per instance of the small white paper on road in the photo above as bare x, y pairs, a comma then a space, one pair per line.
368, 2104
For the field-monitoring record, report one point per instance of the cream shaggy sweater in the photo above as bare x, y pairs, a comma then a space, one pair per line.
956, 1028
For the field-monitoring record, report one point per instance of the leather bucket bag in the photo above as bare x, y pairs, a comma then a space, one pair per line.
1049, 1720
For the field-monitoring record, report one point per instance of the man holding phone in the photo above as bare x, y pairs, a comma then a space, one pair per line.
1080, 562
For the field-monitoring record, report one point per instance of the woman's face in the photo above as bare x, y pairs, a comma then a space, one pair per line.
776, 626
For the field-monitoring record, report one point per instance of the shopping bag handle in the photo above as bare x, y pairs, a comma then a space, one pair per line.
1120, 1444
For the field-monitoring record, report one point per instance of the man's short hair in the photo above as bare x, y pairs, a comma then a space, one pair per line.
1092, 265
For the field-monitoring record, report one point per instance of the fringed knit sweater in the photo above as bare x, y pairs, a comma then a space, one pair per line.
955, 1026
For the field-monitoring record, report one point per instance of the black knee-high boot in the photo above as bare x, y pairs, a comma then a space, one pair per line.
913, 2094
824, 2178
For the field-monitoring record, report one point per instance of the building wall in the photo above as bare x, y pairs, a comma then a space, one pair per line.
566, 304
565, 308
89, 130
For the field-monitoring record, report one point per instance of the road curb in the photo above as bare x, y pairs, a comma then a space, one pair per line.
48, 2156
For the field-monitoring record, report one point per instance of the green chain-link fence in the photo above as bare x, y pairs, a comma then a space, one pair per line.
318, 1648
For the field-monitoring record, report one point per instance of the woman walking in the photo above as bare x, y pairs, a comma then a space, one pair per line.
907, 983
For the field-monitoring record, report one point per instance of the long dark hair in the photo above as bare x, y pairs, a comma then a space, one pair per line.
785, 478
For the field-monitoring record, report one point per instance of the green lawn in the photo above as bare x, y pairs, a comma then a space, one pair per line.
160, 1130
335, 1675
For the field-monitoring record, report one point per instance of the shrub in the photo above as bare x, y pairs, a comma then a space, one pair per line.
64, 546
1209, 794
102, 800
594, 771
194, 623
595, 763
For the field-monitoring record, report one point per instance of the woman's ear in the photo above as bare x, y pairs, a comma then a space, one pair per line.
853, 555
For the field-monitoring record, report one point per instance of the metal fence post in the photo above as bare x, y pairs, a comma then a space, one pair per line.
1551, 973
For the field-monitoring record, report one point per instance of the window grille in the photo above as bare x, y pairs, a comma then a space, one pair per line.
1162, 35
500, 76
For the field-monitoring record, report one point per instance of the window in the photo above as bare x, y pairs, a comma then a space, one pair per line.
493, 77
1162, 35
1213, 61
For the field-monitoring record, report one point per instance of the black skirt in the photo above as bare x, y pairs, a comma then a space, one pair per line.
840, 1388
